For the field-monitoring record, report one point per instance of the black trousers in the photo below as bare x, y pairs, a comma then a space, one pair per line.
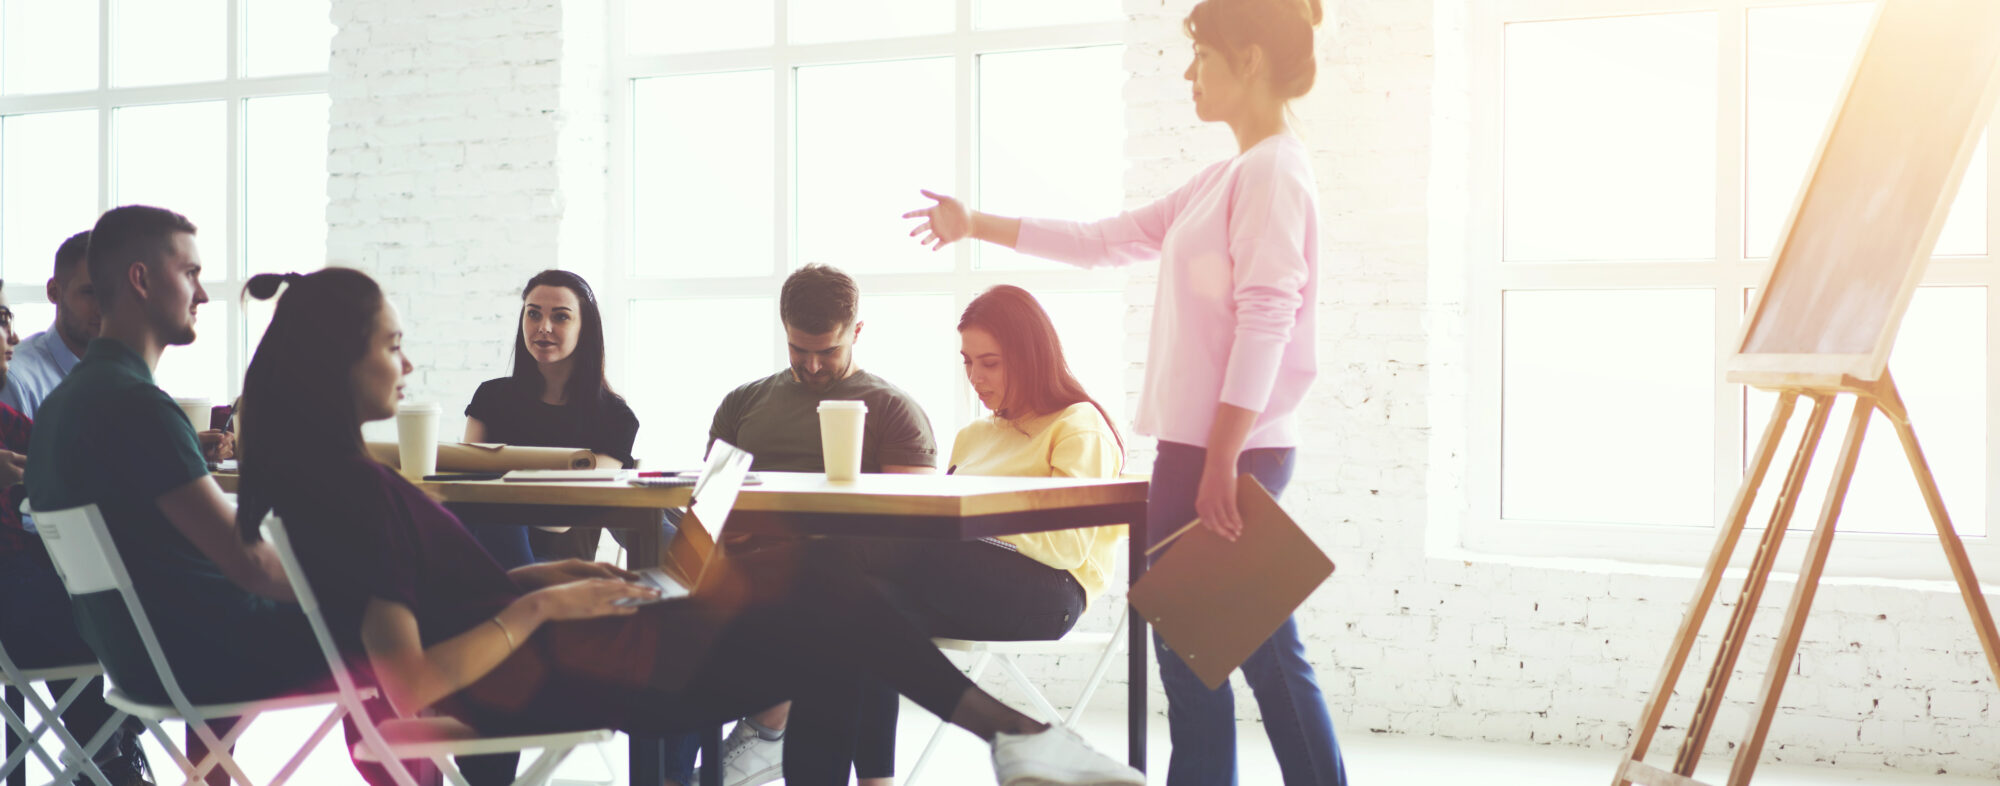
773, 628
971, 590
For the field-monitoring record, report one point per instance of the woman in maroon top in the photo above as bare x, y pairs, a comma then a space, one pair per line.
420, 607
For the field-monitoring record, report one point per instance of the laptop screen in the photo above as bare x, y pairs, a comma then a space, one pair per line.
715, 493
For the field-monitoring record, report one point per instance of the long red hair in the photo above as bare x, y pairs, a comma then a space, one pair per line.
1039, 381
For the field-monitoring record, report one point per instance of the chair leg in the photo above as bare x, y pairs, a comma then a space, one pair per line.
1104, 661
544, 767
1034, 695
312, 742
29, 741
450, 770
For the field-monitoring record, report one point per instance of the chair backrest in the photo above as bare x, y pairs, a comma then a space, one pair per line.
87, 559
350, 696
85, 564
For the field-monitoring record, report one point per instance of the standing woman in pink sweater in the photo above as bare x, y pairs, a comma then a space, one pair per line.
1232, 349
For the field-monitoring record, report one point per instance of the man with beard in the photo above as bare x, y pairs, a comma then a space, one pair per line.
776, 419
109, 436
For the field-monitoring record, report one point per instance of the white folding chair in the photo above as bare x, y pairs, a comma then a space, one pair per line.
87, 560
1106, 645
79, 756
437, 739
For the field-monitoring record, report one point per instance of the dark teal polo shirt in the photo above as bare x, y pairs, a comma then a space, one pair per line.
111, 437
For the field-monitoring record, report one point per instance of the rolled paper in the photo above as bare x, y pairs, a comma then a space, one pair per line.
492, 457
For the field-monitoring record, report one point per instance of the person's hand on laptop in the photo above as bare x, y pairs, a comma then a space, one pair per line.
582, 600
549, 574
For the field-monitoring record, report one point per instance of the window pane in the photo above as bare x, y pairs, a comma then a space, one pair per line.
289, 36
48, 187
1029, 166
1092, 328
172, 156
1799, 61
660, 26
47, 47
285, 184
912, 341
1608, 406
1026, 13
157, 43
856, 179
1940, 368
701, 191
1610, 139
845, 20
200, 368
675, 407
32, 316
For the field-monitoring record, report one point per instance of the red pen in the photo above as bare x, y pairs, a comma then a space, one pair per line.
668, 473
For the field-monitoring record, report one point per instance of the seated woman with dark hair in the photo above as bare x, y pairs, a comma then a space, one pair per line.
556, 397
436, 623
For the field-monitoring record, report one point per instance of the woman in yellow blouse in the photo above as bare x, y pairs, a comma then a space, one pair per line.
1015, 587
1043, 424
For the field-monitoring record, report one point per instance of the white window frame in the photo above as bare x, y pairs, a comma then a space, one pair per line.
963, 281
222, 245
1859, 555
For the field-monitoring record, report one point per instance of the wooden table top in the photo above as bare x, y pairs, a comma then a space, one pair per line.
806, 492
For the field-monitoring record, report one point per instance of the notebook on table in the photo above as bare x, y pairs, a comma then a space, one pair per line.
1215, 602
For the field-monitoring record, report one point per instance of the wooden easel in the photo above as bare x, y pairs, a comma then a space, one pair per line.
1854, 250
1869, 397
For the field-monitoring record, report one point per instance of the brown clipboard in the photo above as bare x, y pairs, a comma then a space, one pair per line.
1215, 602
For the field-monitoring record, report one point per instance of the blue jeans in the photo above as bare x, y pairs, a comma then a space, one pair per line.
1202, 723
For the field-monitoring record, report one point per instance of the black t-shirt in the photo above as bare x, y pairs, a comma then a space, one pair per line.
515, 414
776, 419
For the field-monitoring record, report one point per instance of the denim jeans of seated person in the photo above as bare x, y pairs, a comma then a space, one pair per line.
1201, 722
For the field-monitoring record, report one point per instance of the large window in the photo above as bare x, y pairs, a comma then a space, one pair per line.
1634, 164
216, 109
757, 137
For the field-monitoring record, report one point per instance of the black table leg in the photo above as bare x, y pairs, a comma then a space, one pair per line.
646, 753
17, 702
711, 756
1135, 646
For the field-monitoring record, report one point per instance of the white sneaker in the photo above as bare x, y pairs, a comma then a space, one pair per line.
1057, 757
749, 760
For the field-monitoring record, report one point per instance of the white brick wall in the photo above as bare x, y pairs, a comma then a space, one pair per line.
450, 124
467, 152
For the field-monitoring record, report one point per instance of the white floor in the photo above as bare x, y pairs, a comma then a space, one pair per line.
1372, 760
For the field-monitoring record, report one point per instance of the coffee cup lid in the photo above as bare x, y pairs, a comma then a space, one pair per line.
419, 407
837, 405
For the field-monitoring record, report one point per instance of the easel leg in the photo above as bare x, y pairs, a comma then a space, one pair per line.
1954, 548
1752, 593
1718, 560
1802, 595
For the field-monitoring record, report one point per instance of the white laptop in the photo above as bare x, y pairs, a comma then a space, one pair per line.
714, 496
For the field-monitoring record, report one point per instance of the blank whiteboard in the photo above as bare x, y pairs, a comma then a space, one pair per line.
1867, 216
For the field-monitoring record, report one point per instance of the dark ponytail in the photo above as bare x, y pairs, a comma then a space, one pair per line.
298, 415
264, 286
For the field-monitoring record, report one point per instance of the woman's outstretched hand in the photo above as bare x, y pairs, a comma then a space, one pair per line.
948, 221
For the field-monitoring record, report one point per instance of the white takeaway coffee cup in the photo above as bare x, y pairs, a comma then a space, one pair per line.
196, 409
417, 439
840, 431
